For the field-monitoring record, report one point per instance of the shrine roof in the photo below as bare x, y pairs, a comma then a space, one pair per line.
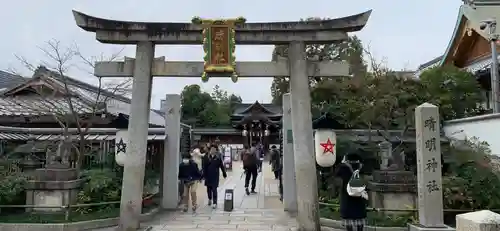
470, 16
266, 108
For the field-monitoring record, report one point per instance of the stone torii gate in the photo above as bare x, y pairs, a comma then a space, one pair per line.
145, 35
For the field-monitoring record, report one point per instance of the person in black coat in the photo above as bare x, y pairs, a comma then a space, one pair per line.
352, 208
212, 165
276, 162
189, 175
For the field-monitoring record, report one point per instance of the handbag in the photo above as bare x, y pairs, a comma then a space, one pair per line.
356, 187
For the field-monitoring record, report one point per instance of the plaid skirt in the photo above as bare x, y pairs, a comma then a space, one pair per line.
354, 223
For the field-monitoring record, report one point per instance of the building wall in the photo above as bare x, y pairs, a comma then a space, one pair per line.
484, 127
227, 139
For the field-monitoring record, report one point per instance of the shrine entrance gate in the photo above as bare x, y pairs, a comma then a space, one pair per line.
219, 38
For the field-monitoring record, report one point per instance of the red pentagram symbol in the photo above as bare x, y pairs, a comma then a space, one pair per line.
328, 146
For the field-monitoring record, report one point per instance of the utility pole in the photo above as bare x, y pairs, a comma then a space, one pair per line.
491, 25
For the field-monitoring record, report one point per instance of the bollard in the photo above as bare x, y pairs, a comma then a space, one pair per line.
229, 200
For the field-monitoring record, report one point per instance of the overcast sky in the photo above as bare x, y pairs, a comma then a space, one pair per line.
405, 33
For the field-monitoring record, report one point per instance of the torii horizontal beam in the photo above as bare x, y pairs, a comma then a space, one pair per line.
243, 69
271, 33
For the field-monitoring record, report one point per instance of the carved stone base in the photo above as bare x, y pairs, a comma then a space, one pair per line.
393, 181
56, 174
417, 227
393, 190
52, 188
394, 177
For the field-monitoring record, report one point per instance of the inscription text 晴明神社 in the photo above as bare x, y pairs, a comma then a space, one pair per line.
430, 145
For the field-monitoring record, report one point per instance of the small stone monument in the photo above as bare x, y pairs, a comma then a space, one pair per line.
429, 179
392, 187
484, 220
55, 185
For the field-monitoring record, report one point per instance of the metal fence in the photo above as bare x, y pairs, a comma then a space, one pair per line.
400, 216
71, 213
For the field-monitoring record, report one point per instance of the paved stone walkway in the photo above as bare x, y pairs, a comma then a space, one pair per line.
262, 211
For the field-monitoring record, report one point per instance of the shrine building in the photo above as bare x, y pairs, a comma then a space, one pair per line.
469, 47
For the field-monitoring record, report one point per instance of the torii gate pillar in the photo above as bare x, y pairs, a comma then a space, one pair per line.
134, 166
303, 146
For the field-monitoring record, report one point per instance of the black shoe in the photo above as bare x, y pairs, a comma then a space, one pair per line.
209, 202
247, 192
253, 192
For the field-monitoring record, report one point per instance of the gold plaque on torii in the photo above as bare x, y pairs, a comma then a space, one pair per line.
219, 45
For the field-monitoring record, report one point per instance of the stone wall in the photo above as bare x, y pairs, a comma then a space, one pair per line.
483, 127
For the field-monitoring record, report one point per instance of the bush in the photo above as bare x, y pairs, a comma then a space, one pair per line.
12, 189
102, 185
469, 173
373, 218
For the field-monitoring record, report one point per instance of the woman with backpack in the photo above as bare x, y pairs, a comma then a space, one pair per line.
353, 197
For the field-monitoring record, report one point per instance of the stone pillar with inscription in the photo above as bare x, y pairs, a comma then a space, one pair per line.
171, 155
429, 179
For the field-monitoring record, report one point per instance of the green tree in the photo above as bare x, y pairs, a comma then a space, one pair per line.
203, 109
225, 104
350, 51
195, 103
455, 91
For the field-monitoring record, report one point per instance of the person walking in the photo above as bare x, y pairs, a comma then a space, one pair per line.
261, 153
212, 166
250, 166
189, 175
275, 162
197, 154
352, 204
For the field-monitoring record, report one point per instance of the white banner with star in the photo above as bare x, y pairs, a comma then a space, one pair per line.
325, 142
121, 141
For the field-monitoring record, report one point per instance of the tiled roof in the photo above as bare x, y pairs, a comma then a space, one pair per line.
85, 102
271, 107
79, 87
430, 63
33, 105
8, 80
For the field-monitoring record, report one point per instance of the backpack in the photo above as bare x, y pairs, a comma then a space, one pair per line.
355, 186
249, 159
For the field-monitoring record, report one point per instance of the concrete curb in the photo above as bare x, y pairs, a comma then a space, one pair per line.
71, 226
338, 225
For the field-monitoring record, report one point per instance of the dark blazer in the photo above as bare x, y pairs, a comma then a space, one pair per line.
351, 208
189, 172
276, 160
212, 165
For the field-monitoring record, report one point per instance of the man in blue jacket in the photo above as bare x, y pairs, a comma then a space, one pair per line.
189, 175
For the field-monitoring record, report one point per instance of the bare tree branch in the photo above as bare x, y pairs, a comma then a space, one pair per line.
77, 110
